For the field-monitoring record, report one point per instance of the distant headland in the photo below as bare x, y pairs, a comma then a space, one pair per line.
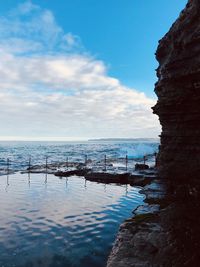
126, 139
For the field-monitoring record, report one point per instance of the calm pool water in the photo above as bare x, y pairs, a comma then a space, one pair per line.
47, 221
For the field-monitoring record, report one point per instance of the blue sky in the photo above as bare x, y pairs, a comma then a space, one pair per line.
97, 50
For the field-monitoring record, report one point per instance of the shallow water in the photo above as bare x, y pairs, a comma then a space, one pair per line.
47, 221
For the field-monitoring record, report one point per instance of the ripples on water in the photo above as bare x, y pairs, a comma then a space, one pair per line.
47, 221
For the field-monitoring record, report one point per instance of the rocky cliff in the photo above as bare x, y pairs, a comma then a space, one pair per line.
171, 236
178, 91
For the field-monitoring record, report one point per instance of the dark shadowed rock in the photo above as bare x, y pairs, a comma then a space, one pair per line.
67, 173
105, 177
178, 91
170, 236
139, 167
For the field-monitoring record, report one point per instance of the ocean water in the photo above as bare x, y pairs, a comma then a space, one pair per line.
49, 222
19, 152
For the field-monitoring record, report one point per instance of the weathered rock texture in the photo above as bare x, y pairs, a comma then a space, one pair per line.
178, 91
171, 236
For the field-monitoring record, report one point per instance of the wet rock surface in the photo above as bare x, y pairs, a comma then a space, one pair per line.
139, 167
67, 173
134, 178
105, 177
164, 232
141, 240
97, 174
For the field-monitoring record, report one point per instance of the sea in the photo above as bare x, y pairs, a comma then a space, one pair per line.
49, 221
19, 153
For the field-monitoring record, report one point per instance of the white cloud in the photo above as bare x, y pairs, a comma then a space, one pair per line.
75, 72
30, 23
50, 86
25, 8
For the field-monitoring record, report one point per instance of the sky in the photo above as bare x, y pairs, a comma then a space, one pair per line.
73, 70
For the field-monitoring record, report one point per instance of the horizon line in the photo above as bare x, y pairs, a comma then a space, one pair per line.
64, 139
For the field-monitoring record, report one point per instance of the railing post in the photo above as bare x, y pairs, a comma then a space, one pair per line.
144, 158
29, 164
105, 163
46, 163
67, 162
126, 162
86, 159
8, 164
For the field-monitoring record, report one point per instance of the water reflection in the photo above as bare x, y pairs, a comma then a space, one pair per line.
7, 183
29, 179
126, 189
85, 185
46, 176
105, 188
51, 226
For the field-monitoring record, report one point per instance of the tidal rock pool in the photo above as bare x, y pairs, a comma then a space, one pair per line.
46, 221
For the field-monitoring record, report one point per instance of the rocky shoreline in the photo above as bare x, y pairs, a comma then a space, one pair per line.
164, 232
141, 238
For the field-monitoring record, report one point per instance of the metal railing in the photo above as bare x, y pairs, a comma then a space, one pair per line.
66, 163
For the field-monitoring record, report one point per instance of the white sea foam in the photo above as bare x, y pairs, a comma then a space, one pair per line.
19, 152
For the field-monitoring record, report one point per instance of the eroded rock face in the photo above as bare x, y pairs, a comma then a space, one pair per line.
171, 236
178, 91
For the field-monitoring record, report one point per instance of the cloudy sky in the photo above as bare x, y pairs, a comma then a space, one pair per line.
60, 77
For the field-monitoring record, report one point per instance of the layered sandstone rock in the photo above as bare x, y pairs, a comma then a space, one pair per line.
171, 236
178, 91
